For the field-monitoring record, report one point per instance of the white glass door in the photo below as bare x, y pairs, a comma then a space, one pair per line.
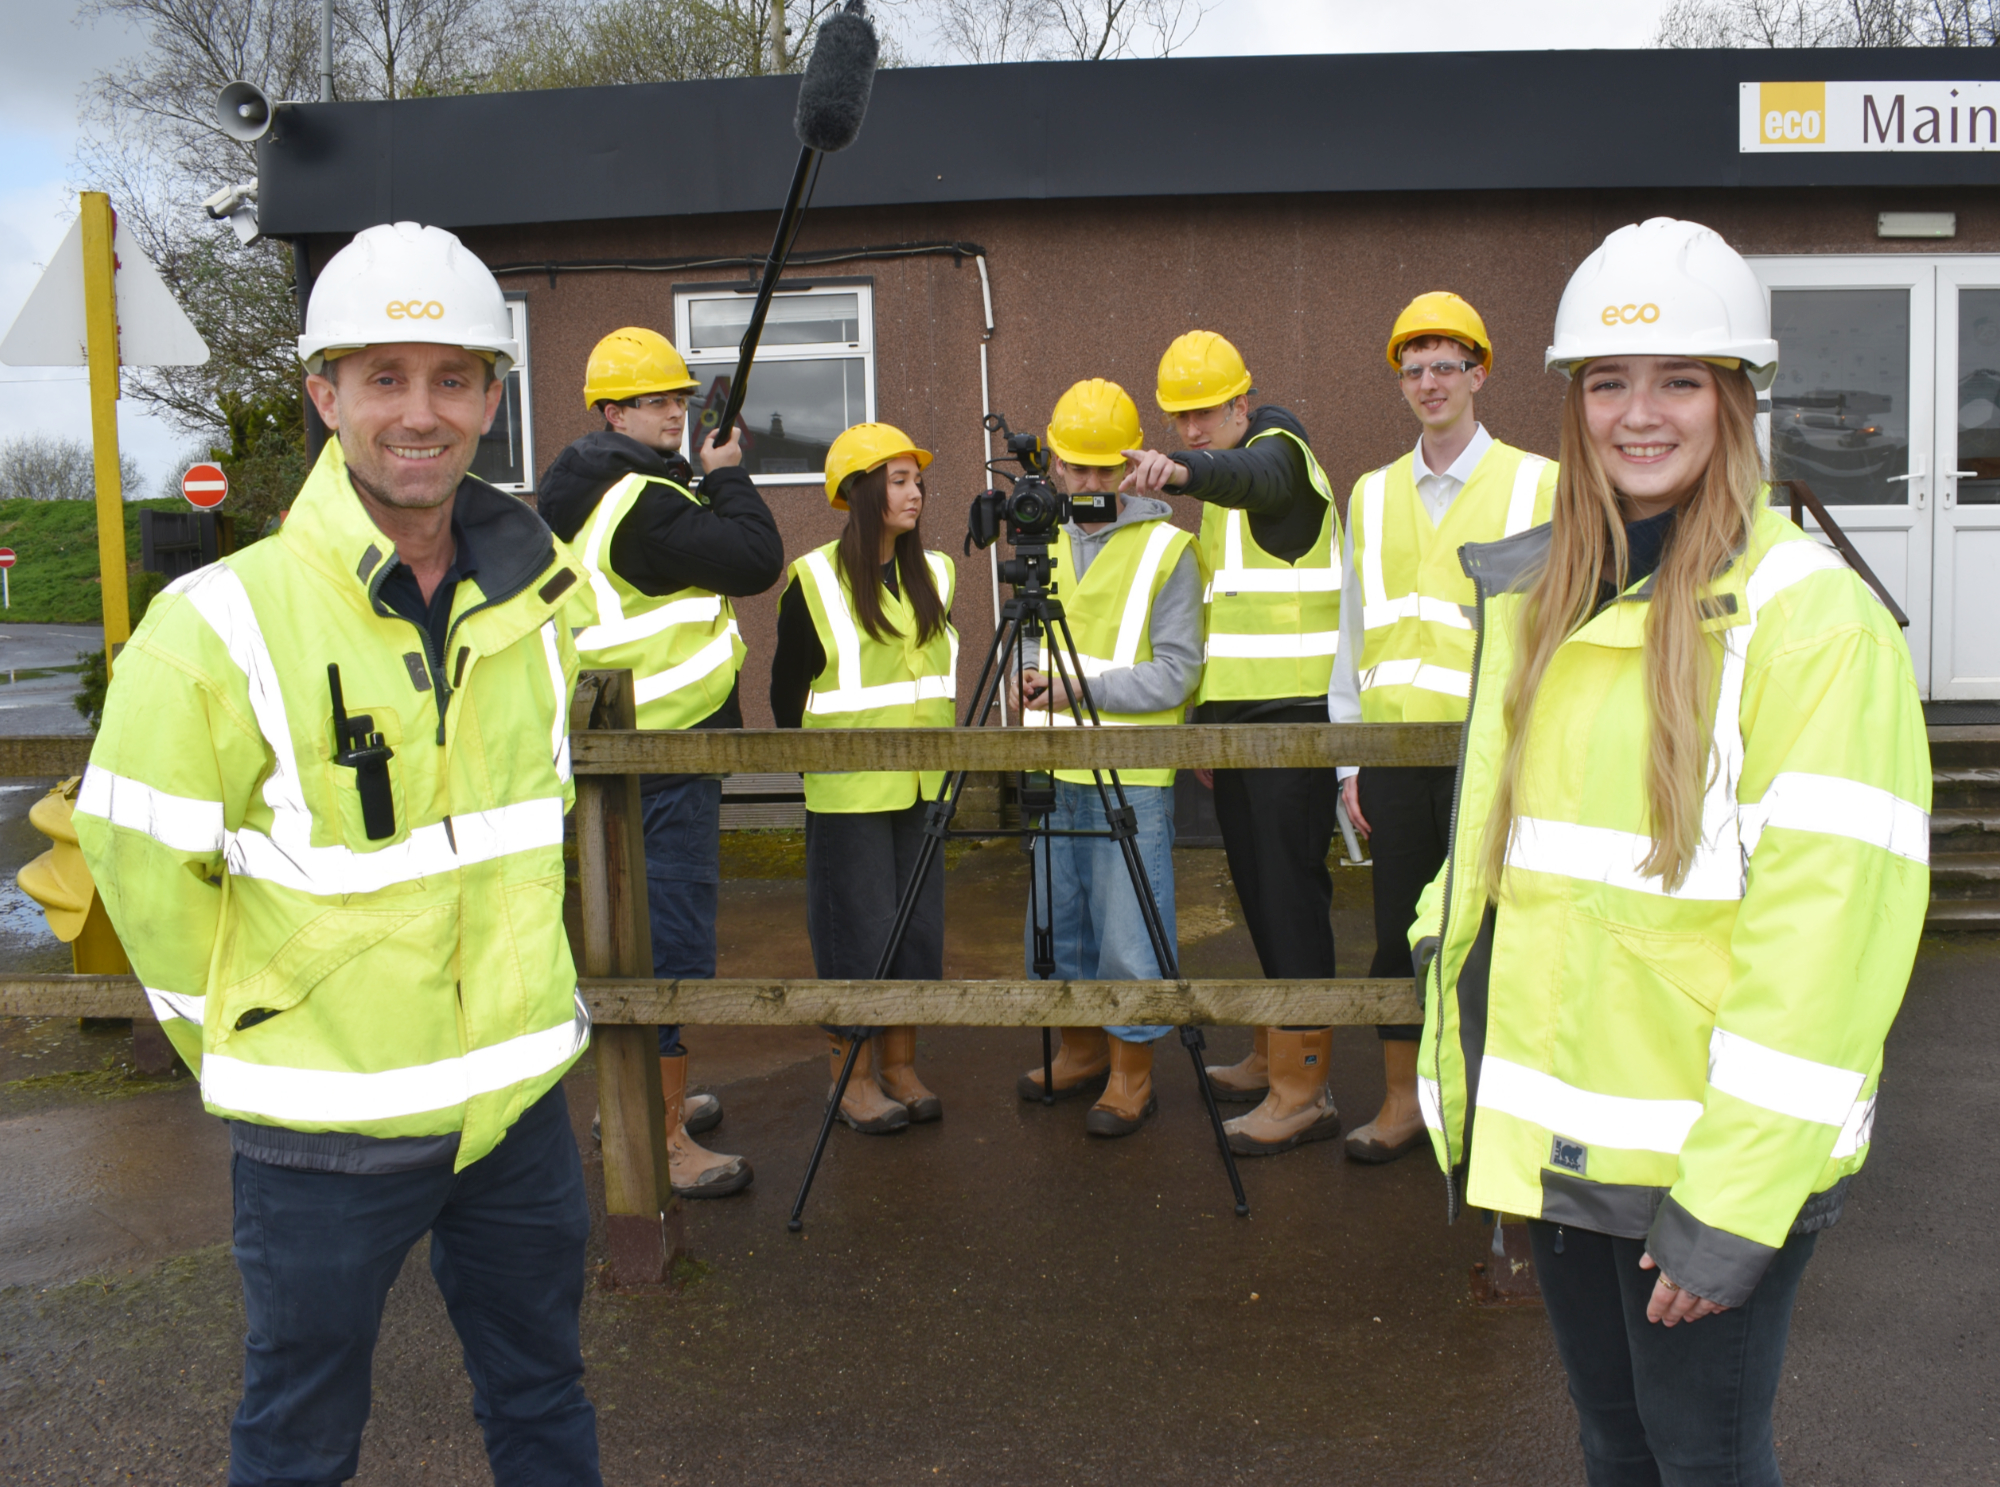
1965, 657
1852, 413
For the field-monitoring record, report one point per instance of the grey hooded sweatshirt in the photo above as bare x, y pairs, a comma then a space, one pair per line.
1174, 627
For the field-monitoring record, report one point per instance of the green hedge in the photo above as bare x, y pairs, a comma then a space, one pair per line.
55, 579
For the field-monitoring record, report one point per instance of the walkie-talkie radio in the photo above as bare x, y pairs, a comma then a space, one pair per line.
357, 748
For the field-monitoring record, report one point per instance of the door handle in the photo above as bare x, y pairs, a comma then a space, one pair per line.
1916, 477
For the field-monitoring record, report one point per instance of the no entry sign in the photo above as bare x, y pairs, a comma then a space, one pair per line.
6, 557
205, 486
6, 589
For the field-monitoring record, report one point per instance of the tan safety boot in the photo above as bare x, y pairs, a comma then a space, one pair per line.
895, 1062
1398, 1128
864, 1107
1128, 1101
1299, 1107
1080, 1065
1247, 1082
694, 1171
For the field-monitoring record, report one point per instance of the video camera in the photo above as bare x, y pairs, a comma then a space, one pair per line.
1032, 508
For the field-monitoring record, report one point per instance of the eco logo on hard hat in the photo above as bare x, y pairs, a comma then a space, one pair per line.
414, 309
1630, 314
1792, 113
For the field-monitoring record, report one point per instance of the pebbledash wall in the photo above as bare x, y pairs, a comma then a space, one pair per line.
1294, 208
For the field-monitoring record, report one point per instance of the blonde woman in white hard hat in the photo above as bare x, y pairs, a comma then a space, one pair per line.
1687, 878
865, 641
346, 902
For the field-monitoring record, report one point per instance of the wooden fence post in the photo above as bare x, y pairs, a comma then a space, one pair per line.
642, 1219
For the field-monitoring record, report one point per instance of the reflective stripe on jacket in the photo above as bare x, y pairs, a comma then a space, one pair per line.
683, 649
417, 985
1415, 664
1272, 626
1690, 1067
1110, 612
898, 682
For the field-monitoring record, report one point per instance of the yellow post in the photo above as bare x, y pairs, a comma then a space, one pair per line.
100, 312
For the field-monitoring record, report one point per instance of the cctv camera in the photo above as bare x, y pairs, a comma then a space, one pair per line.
239, 204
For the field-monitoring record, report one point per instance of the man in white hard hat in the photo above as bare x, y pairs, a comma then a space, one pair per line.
665, 554
325, 812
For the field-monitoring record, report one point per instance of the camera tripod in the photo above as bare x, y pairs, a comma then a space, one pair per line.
1033, 613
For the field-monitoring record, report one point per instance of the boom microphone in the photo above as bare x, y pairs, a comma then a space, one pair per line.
833, 98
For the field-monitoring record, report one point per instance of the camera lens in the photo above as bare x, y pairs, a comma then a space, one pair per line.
1031, 508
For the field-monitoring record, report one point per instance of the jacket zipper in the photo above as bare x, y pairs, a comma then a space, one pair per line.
1451, 1202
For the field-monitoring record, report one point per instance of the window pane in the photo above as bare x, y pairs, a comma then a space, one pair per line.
794, 411
1979, 395
501, 457
794, 320
1840, 410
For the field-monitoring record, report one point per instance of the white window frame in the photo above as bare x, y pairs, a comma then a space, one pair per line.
517, 315
864, 347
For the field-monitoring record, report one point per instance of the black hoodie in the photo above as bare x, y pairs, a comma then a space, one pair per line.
667, 542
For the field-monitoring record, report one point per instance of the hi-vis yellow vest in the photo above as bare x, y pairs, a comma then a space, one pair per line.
900, 682
1691, 1067
683, 649
1272, 626
1415, 664
319, 980
1110, 612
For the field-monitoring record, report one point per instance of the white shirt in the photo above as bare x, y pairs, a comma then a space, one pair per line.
1437, 490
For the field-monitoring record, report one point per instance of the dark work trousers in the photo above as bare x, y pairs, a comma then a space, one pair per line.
1681, 1406
856, 867
1409, 833
1277, 825
318, 1252
683, 815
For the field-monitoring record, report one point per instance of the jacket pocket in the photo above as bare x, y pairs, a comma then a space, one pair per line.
323, 946
344, 789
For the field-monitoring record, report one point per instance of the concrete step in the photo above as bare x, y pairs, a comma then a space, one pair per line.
1973, 829
1965, 788
1962, 876
1963, 916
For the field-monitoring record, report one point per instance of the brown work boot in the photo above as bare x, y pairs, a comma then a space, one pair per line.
1080, 1065
1128, 1101
1247, 1082
694, 1171
895, 1064
865, 1107
1299, 1107
1398, 1127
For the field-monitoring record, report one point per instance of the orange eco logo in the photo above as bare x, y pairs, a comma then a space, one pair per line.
415, 309
1630, 314
1792, 113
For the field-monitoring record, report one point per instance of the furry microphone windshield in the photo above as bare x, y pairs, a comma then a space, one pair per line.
833, 95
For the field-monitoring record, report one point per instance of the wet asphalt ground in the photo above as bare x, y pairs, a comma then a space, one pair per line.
996, 1299
38, 676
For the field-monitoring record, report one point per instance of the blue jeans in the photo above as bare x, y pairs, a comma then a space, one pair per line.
683, 869
1099, 932
1682, 1406
318, 1252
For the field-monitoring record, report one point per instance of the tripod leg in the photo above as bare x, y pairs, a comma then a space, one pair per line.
796, 1222
1194, 1042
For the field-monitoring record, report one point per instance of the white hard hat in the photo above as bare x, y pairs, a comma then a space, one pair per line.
1665, 288
405, 282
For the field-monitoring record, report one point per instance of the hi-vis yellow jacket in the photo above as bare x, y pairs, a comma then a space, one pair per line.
1272, 626
1415, 664
683, 649
900, 682
1110, 612
414, 986
1695, 1068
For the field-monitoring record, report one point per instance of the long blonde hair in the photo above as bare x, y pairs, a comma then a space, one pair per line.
1587, 543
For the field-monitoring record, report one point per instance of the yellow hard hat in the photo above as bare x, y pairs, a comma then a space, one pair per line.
630, 362
861, 449
1095, 422
1201, 370
1440, 313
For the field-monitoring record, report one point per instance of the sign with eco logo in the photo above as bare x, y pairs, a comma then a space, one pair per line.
1908, 116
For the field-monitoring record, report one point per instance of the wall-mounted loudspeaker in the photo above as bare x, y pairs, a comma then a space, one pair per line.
243, 111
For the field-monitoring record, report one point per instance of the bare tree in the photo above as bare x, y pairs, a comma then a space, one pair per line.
1061, 30
578, 44
37, 467
1811, 23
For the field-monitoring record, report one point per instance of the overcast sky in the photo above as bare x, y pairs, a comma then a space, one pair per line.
49, 55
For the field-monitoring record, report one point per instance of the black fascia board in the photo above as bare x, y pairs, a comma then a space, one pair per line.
1050, 131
